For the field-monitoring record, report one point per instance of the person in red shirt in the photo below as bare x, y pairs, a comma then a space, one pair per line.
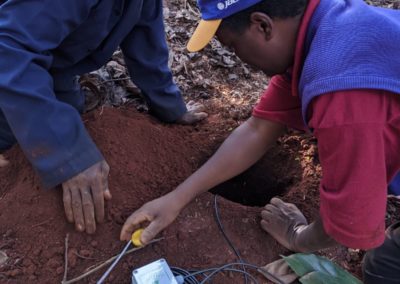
358, 134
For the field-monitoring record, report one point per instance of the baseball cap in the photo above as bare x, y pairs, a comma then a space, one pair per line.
212, 13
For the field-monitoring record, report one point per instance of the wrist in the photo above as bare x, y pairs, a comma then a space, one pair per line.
311, 238
299, 238
177, 200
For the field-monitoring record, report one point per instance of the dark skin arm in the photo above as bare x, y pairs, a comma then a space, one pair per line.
84, 196
289, 227
313, 237
241, 149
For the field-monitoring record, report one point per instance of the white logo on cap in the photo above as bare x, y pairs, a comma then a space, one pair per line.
221, 6
226, 4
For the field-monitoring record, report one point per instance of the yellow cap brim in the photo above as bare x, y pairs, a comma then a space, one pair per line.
203, 34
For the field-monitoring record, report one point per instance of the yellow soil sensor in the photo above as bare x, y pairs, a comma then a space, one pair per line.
136, 238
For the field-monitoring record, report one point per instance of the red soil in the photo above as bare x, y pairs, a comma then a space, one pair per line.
148, 159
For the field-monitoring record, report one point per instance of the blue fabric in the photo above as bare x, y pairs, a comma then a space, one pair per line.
44, 44
394, 187
350, 45
7, 138
220, 9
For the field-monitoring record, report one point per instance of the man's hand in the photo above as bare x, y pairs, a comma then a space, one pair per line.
160, 212
289, 227
195, 113
282, 220
84, 195
3, 161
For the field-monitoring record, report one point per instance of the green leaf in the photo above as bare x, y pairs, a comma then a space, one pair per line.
317, 277
315, 270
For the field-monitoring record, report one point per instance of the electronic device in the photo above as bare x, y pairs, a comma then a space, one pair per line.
157, 272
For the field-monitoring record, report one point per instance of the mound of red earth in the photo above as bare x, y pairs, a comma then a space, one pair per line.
147, 160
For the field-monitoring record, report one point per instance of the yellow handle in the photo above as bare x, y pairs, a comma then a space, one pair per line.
136, 238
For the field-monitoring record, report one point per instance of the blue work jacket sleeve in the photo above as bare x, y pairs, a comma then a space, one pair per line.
146, 55
50, 132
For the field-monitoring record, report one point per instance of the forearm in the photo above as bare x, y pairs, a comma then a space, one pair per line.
247, 144
312, 238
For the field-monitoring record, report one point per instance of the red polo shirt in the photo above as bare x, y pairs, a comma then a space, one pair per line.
358, 134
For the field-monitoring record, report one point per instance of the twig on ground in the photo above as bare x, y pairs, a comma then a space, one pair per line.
66, 259
190, 8
41, 223
105, 263
84, 257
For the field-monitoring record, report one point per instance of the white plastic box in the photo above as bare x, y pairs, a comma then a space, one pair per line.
157, 272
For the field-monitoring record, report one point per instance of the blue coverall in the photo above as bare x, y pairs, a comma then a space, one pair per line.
45, 44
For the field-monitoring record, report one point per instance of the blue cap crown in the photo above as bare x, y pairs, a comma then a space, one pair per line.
220, 9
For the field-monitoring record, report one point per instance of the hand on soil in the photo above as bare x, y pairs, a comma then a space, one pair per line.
282, 221
84, 195
195, 113
3, 161
160, 212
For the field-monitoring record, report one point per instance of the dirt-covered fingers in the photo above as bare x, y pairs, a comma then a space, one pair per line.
280, 220
88, 210
105, 170
133, 223
190, 103
290, 211
3, 161
275, 223
77, 210
271, 218
67, 200
197, 116
284, 206
98, 189
195, 107
269, 213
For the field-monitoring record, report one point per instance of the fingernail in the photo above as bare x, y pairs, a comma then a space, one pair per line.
143, 238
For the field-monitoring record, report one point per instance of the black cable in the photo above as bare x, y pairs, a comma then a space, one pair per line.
214, 271
190, 277
222, 269
231, 245
226, 237
226, 266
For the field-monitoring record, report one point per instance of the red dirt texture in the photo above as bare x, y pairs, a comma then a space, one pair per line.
147, 160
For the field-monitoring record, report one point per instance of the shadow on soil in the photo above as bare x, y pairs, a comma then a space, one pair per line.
272, 176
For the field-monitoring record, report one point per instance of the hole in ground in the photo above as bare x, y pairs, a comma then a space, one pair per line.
273, 175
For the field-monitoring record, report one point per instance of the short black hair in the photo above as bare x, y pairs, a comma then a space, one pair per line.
280, 9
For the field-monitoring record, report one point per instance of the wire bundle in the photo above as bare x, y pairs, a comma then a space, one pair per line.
192, 276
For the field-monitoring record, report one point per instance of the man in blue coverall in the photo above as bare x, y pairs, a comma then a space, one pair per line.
44, 45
